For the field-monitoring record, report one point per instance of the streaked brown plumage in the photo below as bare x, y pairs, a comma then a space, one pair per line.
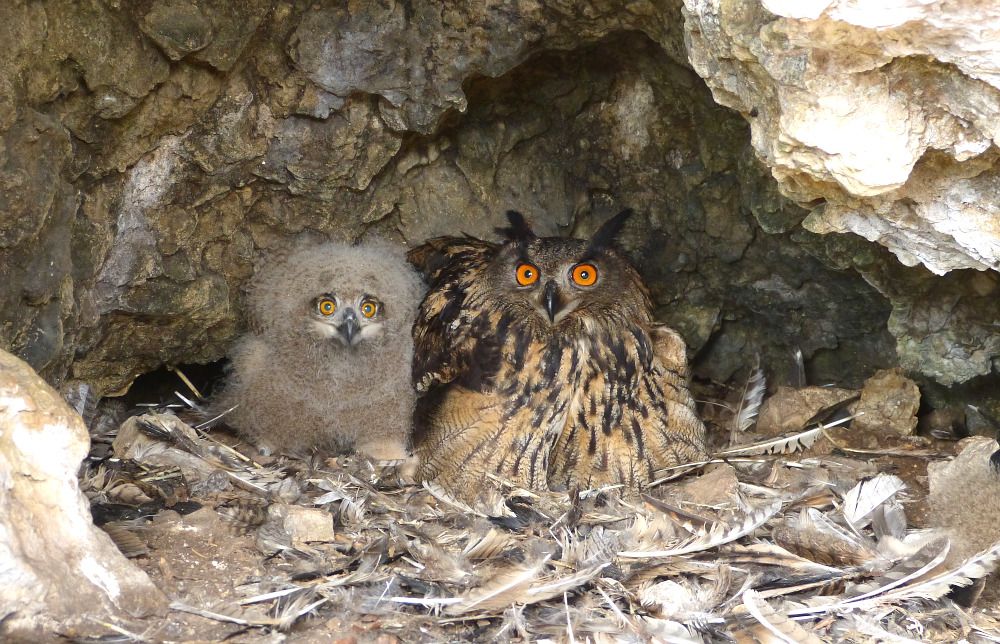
549, 385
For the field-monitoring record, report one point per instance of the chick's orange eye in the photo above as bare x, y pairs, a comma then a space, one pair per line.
369, 309
584, 274
326, 306
527, 274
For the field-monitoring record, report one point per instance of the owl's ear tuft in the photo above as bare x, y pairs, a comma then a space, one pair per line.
519, 230
605, 236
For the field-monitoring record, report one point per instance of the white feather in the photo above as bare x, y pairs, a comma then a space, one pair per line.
780, 625
750, 401
508, 587
866, 496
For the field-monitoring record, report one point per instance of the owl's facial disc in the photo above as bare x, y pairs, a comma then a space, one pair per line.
553, 304
351, 321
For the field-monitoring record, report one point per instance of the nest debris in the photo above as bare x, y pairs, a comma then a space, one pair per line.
765, 543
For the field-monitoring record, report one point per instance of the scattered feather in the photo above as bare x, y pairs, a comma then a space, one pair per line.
815, 536
716, 535
688, 520
924, 560
781, 626
939, 585
750, 402
799, 370
868, 495
125, 540
557, 586
922, 586
778, 556
889, 520
782, 444
506, 587
442, 495
489, 545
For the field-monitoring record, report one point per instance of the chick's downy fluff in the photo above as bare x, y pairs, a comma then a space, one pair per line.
326, 362
964, 498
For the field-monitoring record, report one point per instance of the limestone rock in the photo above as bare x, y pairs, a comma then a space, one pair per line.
417, 56
343, 152
150, 152
887, 113
888, 405
57, 567
36, 241
789, 409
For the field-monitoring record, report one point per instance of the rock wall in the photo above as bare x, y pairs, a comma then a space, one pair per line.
882, 116
150, 152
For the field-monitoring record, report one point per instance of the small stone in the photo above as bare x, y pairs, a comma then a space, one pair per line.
789, 409
717, 487
888, 405
178, 27
308, 524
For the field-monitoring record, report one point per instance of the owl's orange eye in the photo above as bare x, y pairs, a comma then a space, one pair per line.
527, 274
326, 306
369, 309
584, 274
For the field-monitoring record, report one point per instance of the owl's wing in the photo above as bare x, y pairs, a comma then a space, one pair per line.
473, 435
671, 352
685, 441
447, 334
622, 430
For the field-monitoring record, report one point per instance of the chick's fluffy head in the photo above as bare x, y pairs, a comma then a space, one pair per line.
287, 288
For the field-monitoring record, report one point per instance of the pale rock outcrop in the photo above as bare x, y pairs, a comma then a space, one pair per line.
885, 111
56, 568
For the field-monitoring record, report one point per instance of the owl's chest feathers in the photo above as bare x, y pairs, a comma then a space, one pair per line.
558, 376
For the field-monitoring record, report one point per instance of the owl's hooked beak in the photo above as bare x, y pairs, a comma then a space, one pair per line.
349, 328
551, 300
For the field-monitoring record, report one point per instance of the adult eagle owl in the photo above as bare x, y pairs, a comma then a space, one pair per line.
326, 362
537, 360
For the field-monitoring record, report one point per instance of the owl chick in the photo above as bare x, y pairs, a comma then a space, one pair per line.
326, 363
537, 360
964, 501
964, 497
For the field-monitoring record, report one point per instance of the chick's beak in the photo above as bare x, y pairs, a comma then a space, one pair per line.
349, 327
551, 300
